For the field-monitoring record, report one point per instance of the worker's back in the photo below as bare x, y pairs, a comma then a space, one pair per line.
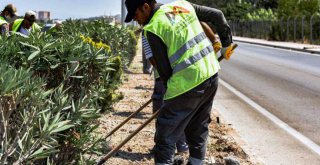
190, 52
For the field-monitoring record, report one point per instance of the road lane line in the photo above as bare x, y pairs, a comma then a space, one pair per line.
303, 139
282, 49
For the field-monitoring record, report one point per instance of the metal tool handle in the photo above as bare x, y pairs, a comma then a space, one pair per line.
128, 138
128, 118
222, 57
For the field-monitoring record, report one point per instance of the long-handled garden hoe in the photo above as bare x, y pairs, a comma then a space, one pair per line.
128, 118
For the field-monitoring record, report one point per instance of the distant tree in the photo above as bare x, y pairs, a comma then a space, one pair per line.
220, 4
232, 9
261, 14
238, 11
268, 4
298, 7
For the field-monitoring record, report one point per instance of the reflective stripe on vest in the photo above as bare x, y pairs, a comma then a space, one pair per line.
2, 21
197, 39
193, 59
189, 51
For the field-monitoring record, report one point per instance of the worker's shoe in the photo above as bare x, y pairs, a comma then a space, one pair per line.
147, 71
193, 161
152, 150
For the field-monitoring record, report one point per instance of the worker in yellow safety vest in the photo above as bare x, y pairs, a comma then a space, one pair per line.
9, 12
185, 60
26, 25
159, 88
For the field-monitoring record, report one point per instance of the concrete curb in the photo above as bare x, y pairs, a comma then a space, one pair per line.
281, 47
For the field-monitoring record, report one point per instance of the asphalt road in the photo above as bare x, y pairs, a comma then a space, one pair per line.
286, 83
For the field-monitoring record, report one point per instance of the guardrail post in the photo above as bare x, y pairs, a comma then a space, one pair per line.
295, 29
302, 28
311, 28
281, 29
287, 34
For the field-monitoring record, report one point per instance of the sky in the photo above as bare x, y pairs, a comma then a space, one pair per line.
63, 9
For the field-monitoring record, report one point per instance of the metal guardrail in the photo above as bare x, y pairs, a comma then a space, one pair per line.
297, 29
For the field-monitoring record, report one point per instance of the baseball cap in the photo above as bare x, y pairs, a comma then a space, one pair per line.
11, 9
132, 6
31, 13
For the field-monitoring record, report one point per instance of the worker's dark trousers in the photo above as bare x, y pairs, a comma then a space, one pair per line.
188, 113
158, 92
157, 101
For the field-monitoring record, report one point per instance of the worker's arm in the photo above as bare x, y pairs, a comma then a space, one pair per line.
160, 57
10, 26
4, 29
147, 51
217, 19
209, 33
153, 62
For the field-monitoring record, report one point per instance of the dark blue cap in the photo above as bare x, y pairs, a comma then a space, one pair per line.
132, 6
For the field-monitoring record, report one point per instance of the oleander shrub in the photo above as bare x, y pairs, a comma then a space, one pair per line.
53, 88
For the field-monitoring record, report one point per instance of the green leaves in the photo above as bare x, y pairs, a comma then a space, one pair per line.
261, 14
54, 88
34, 54
12, 80
43, 152
61, 126
54, 125
29, 45
294, 8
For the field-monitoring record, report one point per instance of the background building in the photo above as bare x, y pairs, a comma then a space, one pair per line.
44, 16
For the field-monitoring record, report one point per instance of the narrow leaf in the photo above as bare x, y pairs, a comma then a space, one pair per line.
33, 55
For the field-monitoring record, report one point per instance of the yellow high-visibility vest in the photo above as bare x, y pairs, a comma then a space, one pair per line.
190, 52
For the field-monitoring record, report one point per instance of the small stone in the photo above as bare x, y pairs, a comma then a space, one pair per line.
211, 161
218, 120
231, 161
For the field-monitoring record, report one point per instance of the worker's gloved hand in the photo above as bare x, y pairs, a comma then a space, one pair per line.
226, 52
217, 47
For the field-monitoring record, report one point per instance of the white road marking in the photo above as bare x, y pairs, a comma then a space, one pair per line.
303, 139
283, 49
